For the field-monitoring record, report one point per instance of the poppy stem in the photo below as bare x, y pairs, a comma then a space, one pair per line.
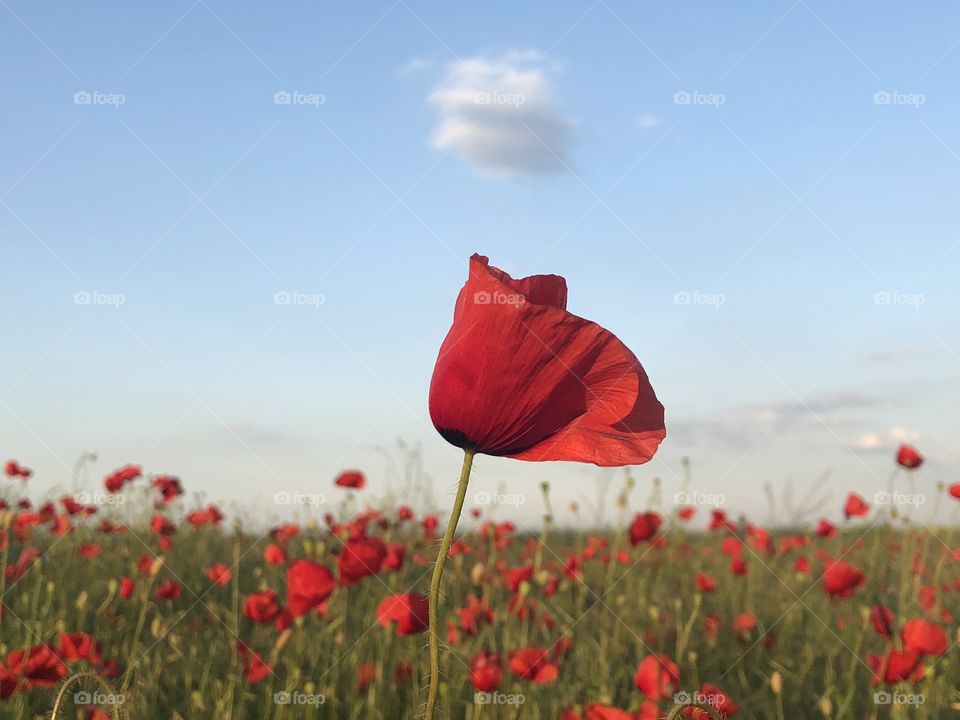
438, 576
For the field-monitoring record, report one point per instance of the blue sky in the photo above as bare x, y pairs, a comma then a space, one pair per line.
759, 199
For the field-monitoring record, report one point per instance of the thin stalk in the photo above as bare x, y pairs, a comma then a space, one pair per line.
438, 576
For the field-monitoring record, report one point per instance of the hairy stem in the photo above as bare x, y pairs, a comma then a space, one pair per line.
438, 576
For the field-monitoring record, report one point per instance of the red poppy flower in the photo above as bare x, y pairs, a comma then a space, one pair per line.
896, 666
366, 674
407, 610
254, 668
909, 457
274, 555
262, 606
351, 479
841, 579
475, 615
219, 574
924, 637
575, 391
533, 664
359, 558
826, 529
744, 622
855, 506
954, 491
881, 618
719, 700
515, 576
657, 677
309, 584
115, 481
127, 586
79, 646
39, 665
644, 527
394, 558
169, 590
486, 671
705, 583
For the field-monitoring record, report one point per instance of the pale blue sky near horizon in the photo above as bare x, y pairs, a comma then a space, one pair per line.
759, 199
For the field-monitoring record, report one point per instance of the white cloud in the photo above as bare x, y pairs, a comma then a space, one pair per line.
886, 441
500, 114
417, 64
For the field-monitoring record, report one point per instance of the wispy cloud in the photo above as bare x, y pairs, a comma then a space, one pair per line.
500, 114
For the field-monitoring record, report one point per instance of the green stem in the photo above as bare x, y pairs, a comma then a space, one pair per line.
438, 576
104, 685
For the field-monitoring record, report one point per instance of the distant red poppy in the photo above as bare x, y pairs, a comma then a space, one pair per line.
575, 391
309, 584
486, 671
359, 558
881, 618
855, 506
274, 555
169, 590
366, 674
719, 700
826, 529
924, 637
954, 491
39, 665
644, 527
533, 664
351, 479
909, 457
254, 668
841, 579
896, 666
127, 586
262, 606
14, 469
657, 677
218, 573
79, 646
705, 583
407, 612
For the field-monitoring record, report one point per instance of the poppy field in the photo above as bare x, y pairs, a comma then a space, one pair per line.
160, 609
129, 600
